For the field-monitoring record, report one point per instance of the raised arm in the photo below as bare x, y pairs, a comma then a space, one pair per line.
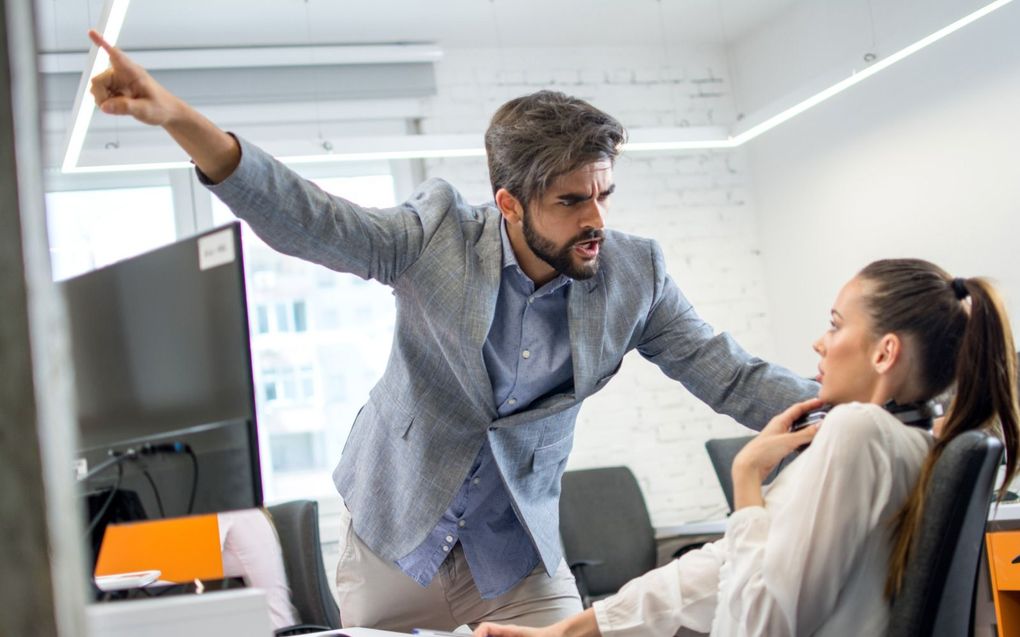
127, 89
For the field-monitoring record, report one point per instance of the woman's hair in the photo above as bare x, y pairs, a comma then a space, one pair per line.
536, 138
961, 335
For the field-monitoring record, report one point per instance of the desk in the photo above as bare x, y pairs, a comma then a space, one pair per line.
362, 632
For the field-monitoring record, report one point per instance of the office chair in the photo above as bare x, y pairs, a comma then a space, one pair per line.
297, 525
722, 451
607, 535
937, 598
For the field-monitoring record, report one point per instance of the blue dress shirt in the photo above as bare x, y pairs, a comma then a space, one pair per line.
527, 355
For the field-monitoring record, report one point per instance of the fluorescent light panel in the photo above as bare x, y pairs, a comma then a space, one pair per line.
718, 143
110, 25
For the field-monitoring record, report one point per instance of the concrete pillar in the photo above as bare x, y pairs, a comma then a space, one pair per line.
42, 583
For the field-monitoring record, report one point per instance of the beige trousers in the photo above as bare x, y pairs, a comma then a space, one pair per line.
374, 593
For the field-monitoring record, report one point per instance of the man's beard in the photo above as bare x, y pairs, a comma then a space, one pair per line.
561, 259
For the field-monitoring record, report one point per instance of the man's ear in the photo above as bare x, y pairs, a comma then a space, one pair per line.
887, 352
509, 206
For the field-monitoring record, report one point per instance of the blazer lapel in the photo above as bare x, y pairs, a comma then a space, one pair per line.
586, 312
481, 290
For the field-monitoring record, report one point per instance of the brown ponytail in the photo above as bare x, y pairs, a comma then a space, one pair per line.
972, 349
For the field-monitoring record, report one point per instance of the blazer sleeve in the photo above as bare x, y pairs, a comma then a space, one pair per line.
786, 564
713, 366
296, 217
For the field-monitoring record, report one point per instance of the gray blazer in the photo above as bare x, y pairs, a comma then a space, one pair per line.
425, 420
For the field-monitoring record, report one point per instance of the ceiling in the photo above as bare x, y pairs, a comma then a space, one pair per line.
162, 24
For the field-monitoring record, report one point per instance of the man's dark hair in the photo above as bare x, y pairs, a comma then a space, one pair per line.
536, 138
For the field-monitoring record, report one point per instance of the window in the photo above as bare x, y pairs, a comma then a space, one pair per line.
300, 321
92, 228
262, 319
320, 340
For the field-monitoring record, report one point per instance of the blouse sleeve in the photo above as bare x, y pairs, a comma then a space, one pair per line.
660, 602
786, 563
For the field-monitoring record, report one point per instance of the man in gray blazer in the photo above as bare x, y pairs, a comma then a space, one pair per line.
509, 315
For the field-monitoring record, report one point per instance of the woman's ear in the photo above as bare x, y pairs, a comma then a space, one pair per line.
887, 353
509, 206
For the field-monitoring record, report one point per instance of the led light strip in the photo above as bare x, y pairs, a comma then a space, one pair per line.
860, 76
114, 12
116, 9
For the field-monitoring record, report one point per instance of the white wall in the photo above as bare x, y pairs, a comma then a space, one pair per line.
696, 205
920, 160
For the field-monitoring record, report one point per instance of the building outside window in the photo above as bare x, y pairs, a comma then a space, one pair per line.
320, 340
89, 229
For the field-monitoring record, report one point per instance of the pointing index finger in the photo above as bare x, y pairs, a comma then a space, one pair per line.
99, 41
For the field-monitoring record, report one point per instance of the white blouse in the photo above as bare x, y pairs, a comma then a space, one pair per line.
812, 561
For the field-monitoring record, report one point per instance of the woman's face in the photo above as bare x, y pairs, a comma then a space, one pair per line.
847, 348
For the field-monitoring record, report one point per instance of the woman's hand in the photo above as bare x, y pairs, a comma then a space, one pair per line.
487, 629
764, 452
582, 624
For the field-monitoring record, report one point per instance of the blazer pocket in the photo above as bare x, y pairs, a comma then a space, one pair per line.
552, 455
391, 415
605, 379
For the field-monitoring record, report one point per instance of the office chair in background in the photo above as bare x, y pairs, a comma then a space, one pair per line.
722, 451
937, 598
607, 534
297, 525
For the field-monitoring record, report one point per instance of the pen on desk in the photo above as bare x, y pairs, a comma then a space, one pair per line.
425, 632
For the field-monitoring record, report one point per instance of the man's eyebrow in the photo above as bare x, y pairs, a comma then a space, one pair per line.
577, 197
574, 197
836, 313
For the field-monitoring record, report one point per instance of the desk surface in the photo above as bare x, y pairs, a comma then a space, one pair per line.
361, 632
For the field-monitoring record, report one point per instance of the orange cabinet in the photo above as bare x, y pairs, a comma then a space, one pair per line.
1004, 568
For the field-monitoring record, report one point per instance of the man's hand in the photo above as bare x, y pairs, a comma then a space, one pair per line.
127, 89
764, 452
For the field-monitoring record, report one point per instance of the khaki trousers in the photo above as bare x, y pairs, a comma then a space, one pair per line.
374, 593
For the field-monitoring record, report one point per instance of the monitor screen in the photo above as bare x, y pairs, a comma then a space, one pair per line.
162, 367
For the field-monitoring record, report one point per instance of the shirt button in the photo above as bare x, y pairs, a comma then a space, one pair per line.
531, 300
461, 523
446, 549
476, 481
526, 354
512, 402
449, 538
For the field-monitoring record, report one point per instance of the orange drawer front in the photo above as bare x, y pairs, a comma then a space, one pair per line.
1003, 548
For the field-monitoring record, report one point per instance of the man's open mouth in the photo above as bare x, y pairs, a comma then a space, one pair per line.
588, 249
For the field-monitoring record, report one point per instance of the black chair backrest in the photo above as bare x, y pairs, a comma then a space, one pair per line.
937, 596
603, 517
722, 451
297, 524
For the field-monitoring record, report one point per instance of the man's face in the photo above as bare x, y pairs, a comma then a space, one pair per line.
564, 227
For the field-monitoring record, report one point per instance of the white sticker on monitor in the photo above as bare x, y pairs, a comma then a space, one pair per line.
215, 249
81, 468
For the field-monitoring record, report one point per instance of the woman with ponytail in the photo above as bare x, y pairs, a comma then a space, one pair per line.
822, 550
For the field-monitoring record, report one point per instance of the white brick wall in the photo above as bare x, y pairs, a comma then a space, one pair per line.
696, 204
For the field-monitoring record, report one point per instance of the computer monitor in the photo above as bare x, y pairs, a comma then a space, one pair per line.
163, 378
